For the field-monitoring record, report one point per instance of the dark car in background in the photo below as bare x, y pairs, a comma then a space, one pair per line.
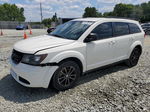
21, 27
146, 28
49, 30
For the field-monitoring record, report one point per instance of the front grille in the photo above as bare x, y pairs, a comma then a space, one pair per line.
16, 56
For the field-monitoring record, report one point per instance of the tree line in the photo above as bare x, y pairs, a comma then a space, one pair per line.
10, 12
139, 12
47, 22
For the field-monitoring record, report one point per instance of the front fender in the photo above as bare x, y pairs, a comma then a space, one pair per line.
70, 54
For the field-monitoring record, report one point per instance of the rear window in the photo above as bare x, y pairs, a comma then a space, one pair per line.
120, 28
134, 28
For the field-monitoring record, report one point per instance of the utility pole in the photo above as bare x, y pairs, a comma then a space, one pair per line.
41, 11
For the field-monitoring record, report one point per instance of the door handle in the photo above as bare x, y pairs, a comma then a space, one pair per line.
113, 42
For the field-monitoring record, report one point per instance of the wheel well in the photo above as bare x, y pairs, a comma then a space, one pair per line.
75, 60
72, 59
139, 47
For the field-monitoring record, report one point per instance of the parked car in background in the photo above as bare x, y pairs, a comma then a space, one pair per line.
49, 30
146, 28
21, 27
75, 48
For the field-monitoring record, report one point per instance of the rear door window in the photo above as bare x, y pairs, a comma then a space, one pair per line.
120, 28
134, 28
103, 30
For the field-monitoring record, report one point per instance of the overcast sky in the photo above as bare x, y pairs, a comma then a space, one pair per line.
65, 8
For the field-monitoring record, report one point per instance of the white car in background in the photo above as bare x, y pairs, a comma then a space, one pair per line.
76, 47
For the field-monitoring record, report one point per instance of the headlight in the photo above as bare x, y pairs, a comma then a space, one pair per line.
33, 59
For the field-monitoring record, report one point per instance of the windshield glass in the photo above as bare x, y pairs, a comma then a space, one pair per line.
72, 29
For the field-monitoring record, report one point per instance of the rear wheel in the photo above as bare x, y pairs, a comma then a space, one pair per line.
66, 75
134, 57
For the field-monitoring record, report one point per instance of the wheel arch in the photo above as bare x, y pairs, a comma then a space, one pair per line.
134, 45
71, 55
75, 60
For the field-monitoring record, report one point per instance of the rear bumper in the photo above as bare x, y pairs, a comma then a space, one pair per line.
32, 76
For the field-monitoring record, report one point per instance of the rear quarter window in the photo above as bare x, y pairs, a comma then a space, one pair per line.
134, 28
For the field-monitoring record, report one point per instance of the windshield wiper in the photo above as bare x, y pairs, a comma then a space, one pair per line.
58, 36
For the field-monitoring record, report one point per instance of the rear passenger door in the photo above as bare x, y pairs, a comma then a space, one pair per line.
123, 40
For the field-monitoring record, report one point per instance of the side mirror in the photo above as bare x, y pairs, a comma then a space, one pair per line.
91, 37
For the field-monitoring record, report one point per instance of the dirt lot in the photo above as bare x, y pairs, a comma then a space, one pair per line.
113, 89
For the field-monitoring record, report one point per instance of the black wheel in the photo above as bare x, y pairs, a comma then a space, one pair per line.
66, 75
134, 57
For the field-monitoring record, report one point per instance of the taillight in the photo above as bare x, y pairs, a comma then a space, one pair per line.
144, 35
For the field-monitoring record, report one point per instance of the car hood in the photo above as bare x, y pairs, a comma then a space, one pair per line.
33, 45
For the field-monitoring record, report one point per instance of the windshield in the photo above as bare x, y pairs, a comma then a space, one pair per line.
72, 29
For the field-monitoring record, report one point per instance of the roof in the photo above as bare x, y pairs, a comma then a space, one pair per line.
88, 19
104, 19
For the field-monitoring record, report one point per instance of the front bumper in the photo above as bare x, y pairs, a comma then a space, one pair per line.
32, 76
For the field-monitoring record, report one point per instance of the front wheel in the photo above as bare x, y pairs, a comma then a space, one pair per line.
134, 57
66, 75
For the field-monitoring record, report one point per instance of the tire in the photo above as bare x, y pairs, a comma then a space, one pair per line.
134, 57
66, 75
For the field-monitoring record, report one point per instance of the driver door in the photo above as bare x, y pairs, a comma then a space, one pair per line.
101, 51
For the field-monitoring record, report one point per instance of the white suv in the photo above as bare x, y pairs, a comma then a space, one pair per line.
74, 48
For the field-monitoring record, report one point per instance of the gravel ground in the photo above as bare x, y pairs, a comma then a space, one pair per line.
113, 89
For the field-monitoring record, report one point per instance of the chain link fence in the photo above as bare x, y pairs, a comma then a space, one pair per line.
13, 24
